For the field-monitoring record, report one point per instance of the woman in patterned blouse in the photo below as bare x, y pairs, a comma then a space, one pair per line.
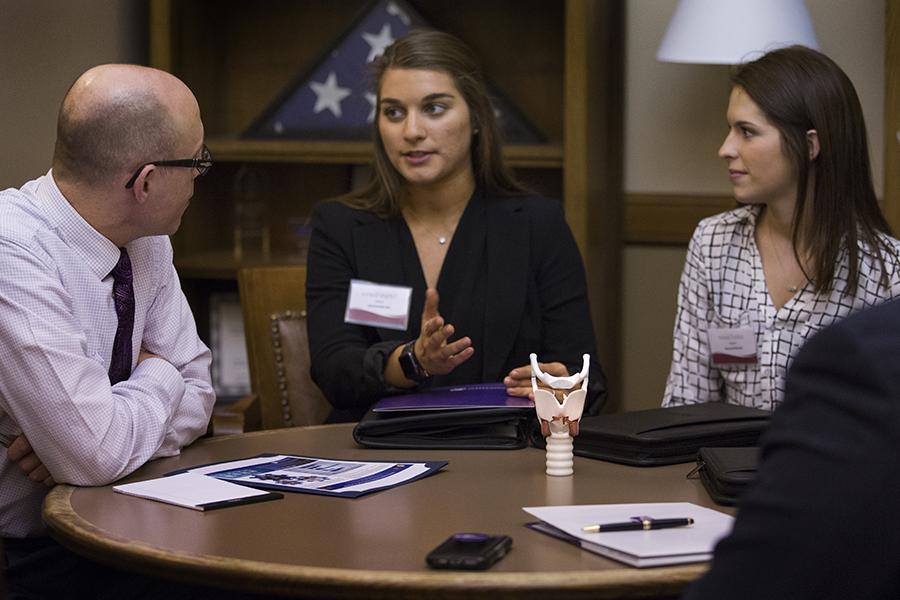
807, 246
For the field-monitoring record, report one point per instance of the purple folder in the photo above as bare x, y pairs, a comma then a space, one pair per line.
479, 395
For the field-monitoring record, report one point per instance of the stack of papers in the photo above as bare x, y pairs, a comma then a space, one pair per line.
234, 482
652, 548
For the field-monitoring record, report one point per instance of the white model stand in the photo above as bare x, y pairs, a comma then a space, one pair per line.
559, 421
560, 458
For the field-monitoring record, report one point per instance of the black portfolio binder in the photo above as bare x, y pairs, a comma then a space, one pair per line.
663, 436
727, 472
476, 429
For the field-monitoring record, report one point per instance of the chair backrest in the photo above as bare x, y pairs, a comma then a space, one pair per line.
273, 300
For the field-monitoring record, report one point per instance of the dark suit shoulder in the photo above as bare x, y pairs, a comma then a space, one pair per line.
874, 332
877, 319
876, 329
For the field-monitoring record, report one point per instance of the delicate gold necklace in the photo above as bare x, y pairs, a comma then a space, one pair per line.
791, 288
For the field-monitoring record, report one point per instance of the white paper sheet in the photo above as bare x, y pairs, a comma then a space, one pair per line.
190, 490
655, 547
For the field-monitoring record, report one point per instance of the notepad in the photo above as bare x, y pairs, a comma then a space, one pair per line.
653, 548
198, 492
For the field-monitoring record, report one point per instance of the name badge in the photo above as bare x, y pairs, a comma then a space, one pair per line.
378, 305
732, 346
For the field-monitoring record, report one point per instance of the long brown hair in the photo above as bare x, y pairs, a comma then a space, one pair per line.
800, 89
436, 51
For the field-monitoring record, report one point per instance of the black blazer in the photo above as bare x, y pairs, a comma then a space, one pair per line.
512, 280
822, 521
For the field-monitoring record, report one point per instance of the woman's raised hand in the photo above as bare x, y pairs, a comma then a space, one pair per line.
435, 353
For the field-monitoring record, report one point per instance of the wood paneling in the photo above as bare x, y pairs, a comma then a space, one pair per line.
593, 171
668, 218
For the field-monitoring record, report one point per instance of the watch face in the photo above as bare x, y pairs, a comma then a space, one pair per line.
412, 370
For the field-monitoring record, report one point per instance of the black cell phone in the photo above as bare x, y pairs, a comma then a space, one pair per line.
469, 551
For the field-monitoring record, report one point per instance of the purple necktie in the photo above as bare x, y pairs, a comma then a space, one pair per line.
123, 295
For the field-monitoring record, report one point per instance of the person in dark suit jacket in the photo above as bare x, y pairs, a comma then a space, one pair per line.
821, 521
494, 270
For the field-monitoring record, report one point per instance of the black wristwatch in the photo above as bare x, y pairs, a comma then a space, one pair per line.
412, 368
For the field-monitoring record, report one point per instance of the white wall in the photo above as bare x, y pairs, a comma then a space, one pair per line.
674, 124
44, 46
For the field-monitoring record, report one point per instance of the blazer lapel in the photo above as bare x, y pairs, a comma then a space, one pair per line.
507, 278
377, 252
379, 259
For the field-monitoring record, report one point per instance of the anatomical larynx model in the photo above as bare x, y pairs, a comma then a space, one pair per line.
559, 419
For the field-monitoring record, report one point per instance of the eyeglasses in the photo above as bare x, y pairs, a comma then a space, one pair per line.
202, 165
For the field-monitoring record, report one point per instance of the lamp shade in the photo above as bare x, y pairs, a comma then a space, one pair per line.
734, 31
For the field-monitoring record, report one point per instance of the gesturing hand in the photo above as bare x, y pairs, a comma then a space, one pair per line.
435, 353
20, 452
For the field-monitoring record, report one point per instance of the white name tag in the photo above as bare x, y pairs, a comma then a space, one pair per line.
378, 305
732, 346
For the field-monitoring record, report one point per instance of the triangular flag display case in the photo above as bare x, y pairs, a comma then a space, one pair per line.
554, 66
334, 99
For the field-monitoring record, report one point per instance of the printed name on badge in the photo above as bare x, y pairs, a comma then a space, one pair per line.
732, 346
378, 305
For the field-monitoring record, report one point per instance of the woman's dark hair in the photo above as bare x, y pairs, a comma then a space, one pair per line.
800, 89
436, 51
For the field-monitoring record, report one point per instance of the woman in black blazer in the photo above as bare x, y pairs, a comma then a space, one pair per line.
494, 270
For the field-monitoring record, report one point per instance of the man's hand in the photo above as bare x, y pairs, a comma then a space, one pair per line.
20, 452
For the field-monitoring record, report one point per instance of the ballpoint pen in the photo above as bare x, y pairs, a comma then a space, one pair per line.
638, 524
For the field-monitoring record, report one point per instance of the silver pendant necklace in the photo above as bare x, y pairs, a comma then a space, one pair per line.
441, 238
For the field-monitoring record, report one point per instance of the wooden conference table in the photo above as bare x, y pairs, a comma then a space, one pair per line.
374, 546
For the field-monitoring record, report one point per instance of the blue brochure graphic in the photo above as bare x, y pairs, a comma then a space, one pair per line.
315, 475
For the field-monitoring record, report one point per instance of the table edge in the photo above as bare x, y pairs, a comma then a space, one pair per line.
88, 540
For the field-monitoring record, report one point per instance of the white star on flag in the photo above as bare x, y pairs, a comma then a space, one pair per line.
329, 95
378, 42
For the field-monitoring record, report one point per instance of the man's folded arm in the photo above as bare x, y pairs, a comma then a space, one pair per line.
170, 332
56, 388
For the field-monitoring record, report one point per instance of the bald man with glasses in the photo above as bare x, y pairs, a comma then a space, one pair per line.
103, 369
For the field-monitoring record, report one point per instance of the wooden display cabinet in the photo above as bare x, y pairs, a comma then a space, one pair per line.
559, 63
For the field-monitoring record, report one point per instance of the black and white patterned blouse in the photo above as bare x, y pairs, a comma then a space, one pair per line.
723, 286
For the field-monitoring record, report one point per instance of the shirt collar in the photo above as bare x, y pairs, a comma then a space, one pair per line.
747, 213
98, 252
